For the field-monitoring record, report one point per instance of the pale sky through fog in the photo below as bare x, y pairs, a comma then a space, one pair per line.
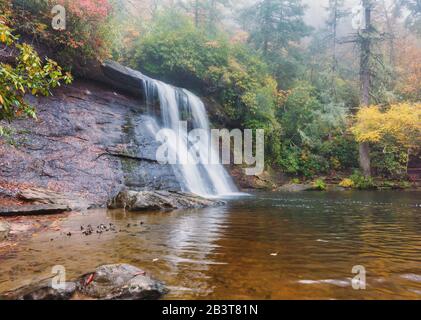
316, 11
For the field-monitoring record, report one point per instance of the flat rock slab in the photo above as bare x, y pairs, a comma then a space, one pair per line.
160, 200
48, 197
107, 282
36, 209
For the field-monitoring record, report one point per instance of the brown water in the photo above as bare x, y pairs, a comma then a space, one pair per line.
269, 246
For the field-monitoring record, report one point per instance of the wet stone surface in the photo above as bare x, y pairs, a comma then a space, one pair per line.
160, 200
71, 147
107, 282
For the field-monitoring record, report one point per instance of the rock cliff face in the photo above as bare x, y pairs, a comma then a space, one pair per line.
88, 139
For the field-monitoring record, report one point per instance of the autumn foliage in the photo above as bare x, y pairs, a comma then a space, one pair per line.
29, 74
97, 10
402, 122
87, 34
409, 68
394, 132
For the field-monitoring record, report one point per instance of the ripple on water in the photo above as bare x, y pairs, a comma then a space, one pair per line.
335, 282
412, 277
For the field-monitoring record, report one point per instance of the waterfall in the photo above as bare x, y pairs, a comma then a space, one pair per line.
207, 180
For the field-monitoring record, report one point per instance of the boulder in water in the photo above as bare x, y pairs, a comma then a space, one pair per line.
160, 200
120, 281
107, 282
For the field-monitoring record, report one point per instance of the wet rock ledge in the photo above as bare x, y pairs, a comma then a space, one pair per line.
39, 201
160, 200
107, 282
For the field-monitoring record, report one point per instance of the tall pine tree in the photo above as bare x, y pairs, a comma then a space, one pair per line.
275, 26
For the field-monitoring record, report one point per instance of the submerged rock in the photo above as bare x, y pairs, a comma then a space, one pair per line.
4, 230
107, 282
120, 281
160, 200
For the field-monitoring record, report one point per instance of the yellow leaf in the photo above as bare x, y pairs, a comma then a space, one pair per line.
1, 99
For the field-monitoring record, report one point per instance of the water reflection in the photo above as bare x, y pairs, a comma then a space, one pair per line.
270, 246
191, 229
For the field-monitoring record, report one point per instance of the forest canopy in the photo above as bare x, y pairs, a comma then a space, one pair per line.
326, 94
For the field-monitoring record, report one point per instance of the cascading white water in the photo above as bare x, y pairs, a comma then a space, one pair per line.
208, 180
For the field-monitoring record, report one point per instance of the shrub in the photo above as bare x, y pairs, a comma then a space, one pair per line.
394, 133
341, 150
389, 161
361, 182
347, 183
319, 184
395, 185
313, 133
29, 75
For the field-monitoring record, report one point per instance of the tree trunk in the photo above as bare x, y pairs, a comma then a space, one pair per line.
196, 13
364, 148
365, 162
334, 45
390, 23
334, 31
267, 26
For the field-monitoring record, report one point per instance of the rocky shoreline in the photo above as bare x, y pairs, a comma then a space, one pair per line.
33, 202
31, 215
39, 201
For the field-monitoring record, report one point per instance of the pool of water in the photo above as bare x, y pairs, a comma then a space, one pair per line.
266, 246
